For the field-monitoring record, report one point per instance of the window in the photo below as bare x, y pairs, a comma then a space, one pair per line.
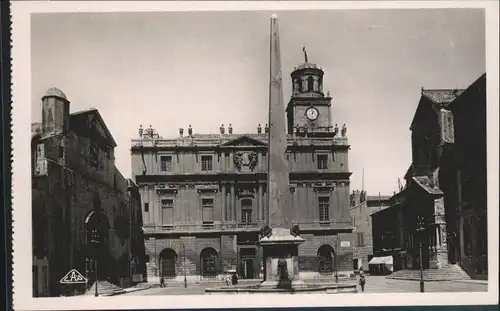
167, 211
166, 163
206, 163
361, 241
246, 211
61, 151
322, 161
324, 207
94, 155
146, 207
208, 211
304, 84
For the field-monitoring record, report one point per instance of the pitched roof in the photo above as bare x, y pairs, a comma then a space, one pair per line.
94, 111
425, 183
479, 84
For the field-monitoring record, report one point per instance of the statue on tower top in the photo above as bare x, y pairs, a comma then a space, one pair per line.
305, 53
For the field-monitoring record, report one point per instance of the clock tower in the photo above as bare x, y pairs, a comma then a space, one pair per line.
308, 110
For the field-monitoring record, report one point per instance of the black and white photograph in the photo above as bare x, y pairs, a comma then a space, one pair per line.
254, 154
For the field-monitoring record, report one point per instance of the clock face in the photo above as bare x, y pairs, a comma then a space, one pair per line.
312, 113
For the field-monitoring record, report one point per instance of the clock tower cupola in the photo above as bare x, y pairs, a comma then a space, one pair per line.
309, 109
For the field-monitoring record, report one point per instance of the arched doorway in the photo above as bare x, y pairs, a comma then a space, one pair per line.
168, 260
325, 259
209, 259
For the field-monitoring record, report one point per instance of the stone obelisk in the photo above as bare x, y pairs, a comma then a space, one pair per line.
280, 245
278, 179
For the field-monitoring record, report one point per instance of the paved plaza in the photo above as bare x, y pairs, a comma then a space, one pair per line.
374, 284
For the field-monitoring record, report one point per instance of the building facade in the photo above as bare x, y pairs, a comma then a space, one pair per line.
77, 195
445, 184
205, 195
362, 206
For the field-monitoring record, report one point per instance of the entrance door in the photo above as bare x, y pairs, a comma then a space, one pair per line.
247, 268
355, 264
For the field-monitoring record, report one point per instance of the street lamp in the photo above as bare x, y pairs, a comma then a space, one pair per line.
421, 229
335, 259
185, 278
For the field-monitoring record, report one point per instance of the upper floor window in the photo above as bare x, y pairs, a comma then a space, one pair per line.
322, 161
324, 209
146, 207
167, 211
361, 240
94, 155
246, 211
208, 210
166, 163
206, 163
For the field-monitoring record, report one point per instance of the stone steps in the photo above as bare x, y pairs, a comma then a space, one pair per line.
104, 288
446, 273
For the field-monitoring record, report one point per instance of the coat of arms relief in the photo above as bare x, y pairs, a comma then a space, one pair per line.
245, 160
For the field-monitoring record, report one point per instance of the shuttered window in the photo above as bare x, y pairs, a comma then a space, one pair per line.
324, 209
208, 210
166, 163
246, 211
447, 128
167, 211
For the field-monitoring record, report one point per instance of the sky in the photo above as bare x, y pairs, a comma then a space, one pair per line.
173, 69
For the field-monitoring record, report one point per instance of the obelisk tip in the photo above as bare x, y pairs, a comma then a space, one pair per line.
274, 16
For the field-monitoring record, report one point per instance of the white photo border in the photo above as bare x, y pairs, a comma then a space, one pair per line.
21, 179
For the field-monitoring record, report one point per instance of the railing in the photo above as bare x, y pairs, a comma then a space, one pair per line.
215, 226
344, 223
330, 224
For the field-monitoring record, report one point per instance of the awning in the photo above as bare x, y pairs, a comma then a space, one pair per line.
387, 260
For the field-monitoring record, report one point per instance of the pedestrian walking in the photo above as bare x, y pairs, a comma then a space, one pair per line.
234, 279
162, 282
362, 282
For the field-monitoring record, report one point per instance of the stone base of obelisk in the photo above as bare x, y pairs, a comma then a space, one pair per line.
280, 245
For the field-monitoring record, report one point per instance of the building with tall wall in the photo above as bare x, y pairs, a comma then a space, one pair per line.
362, 206
205, 195
445, 186
79, 197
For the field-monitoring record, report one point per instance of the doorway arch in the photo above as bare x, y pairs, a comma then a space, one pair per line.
168, 261
326, 254
209, 259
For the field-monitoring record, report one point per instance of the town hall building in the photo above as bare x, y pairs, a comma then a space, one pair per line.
204, 196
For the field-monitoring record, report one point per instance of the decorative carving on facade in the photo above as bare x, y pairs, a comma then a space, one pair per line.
207, 188
323, 188
245, 160
245, 192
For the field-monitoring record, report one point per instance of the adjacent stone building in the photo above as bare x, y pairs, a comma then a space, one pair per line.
445, 185
205, 201
362, 206
80, 197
